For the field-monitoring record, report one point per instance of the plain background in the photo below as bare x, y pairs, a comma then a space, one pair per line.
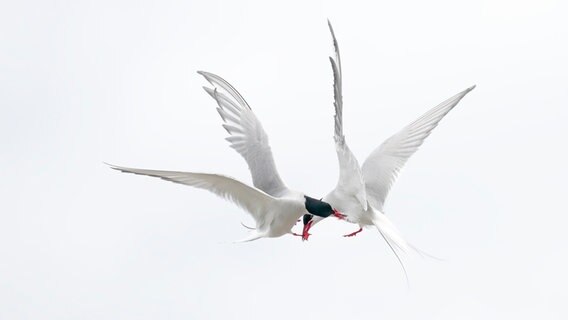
84, 82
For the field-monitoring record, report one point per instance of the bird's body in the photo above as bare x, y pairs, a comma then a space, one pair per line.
284, 216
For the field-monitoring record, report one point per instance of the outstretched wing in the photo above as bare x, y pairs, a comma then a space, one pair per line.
350, 177
252, 200
383, 164
247, 136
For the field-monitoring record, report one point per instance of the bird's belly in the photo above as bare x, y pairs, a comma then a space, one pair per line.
284, 222
280, 227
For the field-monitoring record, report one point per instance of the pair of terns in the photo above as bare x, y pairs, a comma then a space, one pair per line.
360, 193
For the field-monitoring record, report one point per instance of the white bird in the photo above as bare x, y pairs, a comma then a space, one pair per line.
274, 207
361, 191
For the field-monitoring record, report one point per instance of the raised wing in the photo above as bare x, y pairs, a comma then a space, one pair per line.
350, 177
383, 164
247, 136
252, 200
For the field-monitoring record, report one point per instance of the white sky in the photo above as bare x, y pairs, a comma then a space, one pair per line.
91, 81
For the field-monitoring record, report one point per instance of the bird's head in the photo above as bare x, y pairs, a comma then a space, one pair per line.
318, 210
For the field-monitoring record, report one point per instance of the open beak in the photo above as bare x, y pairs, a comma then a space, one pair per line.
305, 233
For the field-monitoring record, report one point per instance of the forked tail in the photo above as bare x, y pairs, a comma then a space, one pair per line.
393, 238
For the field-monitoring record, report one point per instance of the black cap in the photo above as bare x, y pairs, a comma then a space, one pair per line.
318, 207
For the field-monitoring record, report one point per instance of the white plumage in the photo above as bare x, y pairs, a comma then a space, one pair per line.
274, 207
274, 217
361, 191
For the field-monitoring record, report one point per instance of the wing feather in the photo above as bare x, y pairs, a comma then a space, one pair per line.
252, 200
247, 136
381, 168
350, 181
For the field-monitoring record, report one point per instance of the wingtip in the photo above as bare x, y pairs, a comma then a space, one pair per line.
210, 91
331, 60
466, 91
112, 166
206, 75
330, 28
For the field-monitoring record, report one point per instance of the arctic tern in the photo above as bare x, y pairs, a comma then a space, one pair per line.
274, 207
361, 191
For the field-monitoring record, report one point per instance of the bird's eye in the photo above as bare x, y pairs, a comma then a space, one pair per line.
307, 218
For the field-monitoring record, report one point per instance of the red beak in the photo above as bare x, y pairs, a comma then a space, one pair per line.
305, 233
339, 215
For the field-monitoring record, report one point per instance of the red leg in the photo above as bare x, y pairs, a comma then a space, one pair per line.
353, 233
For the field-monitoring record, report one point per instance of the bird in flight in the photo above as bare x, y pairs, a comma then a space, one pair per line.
361, 190
274, 207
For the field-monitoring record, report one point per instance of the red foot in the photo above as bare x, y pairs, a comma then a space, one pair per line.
304, 236
353, 233
339, 215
